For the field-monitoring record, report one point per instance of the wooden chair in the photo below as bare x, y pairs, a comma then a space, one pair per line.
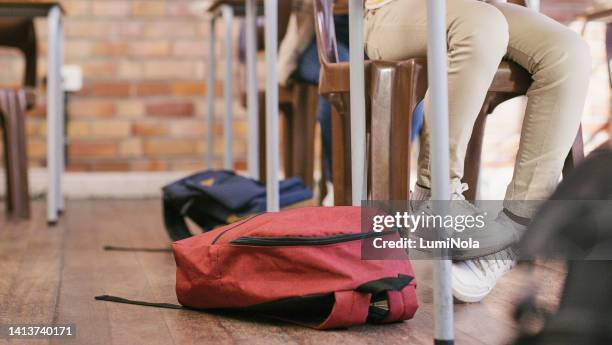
20, 34
298, 104
393, 90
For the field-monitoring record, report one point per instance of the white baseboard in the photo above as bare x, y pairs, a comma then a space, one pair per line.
87, 185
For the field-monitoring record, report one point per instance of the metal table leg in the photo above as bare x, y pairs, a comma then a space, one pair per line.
210, 93
438, 91
53, 114
228, 91
252, 97
271, 12
358, 120
61, 123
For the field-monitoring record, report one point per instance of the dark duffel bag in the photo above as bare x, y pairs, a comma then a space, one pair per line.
575, 224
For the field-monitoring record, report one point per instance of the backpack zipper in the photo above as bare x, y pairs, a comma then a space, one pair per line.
305, 241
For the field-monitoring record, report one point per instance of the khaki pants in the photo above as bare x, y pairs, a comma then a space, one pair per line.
479, 36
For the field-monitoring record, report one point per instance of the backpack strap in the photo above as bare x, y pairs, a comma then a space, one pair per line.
350, 309
402, 305
354, 307
129, 301
175, 221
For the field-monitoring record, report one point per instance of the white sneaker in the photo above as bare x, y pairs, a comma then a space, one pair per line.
498, 234
329, 198
473, 279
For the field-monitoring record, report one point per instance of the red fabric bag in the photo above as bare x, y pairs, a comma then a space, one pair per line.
302, 265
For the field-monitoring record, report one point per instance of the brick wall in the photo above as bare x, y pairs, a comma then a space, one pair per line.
142, 106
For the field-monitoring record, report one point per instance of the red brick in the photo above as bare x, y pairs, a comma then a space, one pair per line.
77, 49
149, 165
188, 128
112, 165
76, 8
170, 69
99, 69
173, 28
156, 48
191, 48
88, 28
110, 8
130, 108
149, 8
169, 147
106, 89
153, 89
192, 164
37, 148
109, 48
78, 129
91, 108
189, 88
131, 148
150, 129
78, 166
107, 129
131, 70
93, 149
170, 109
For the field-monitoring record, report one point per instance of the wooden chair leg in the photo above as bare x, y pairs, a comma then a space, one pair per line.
7, 164
289, 117
12, 105
341, 152
305, 101
322, 181
390, 133
262, 136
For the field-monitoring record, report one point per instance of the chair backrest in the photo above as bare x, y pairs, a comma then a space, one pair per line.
20, 33
325, 31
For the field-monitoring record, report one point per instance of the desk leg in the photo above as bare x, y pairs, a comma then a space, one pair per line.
357, 98
228, 88
438, 91
61, 154
271, 12
53, 108
252, 97
210, 94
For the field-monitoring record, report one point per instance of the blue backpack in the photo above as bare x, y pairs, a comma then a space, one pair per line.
215, 198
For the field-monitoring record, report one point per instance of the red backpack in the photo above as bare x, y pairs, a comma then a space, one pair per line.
302, 265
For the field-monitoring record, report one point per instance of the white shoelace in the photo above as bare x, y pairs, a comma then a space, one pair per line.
466, 207
496, 263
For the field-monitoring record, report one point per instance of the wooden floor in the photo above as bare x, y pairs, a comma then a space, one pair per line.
50, 275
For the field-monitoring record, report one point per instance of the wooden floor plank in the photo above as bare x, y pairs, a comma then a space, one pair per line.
32, 295
52, 274
123, 276
82, 275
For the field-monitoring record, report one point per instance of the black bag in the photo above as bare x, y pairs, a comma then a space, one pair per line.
585, 313
215, 198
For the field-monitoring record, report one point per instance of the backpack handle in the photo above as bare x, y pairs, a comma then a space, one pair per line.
350, 309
